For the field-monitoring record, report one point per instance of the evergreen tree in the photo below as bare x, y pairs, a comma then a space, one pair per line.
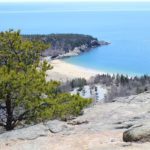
25, 95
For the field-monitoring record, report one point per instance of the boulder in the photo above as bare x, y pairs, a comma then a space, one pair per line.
139, 133
57, 126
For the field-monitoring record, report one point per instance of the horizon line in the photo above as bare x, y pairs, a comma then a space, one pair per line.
82, 1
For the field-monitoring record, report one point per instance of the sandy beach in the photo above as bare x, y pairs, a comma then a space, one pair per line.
63, 71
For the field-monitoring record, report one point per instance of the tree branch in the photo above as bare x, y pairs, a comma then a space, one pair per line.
24, 116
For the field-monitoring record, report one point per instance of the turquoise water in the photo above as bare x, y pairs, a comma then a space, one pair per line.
125, 25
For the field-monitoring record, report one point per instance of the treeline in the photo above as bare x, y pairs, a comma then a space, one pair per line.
121, 85
117, 85
62, 43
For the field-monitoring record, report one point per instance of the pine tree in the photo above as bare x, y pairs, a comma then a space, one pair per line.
25, 95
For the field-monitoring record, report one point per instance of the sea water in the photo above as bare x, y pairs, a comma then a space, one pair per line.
125, 25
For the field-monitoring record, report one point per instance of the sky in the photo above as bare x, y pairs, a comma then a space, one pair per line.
2, 1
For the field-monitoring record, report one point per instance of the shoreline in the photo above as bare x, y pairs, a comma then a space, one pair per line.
63, 71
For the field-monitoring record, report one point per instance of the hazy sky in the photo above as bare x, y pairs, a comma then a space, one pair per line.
71, 0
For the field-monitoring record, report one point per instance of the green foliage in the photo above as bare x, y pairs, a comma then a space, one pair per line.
18, 52
24, 92
64, 106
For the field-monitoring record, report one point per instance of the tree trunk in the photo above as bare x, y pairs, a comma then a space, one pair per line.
9, 125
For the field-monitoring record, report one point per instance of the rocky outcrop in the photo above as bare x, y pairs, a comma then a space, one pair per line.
83, 48
29, 133
36, 131
101, 127
140, 133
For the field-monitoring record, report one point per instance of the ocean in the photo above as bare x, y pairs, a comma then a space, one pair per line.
125, 25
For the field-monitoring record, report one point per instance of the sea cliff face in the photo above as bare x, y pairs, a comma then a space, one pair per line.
66, 45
